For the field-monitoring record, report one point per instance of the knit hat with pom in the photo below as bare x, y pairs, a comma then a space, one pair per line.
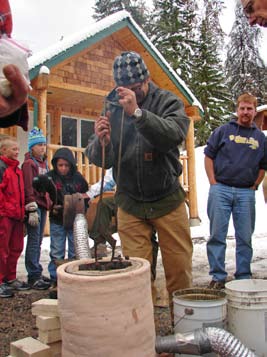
36, 136
129, 68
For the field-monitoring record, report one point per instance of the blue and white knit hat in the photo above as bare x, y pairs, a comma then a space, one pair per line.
36, 136
129, 68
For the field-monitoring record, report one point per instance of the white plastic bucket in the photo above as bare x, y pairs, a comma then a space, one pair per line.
247, 313
198, 308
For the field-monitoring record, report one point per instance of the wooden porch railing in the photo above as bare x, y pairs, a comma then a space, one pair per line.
92, 173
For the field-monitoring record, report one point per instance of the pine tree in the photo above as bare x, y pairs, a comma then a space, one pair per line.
173, 32
208, 80
136, 8
244, 67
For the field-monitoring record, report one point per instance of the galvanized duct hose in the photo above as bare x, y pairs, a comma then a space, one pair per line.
201, 341
80, 237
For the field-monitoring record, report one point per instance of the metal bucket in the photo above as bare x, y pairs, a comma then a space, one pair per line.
198, 308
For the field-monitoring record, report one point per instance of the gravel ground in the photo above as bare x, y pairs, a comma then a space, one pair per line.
17, 321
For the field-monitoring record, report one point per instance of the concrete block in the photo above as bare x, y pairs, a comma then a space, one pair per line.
29, 347
45, 307
49, 336
45, 323
55, 348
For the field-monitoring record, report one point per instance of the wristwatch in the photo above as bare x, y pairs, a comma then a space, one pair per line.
138, 113
256, 186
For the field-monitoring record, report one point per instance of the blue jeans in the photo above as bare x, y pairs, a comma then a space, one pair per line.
33, 247
58, 236
222, 202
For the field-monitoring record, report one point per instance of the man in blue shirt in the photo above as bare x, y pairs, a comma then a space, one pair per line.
235, 161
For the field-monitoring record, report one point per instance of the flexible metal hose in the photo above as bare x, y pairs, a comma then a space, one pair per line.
203, 341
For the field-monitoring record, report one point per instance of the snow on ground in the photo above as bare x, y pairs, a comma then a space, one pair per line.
200, 235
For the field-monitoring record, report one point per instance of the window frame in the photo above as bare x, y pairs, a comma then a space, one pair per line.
78, 127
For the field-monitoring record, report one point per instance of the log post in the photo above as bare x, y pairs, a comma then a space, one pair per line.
41, 87
192, 189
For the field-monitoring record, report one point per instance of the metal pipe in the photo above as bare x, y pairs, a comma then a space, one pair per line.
80, 237
201, 341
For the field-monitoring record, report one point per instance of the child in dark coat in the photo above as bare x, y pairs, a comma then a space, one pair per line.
67, 181
37, 204
12, 212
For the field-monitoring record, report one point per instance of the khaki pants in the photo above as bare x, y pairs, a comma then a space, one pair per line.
174, 241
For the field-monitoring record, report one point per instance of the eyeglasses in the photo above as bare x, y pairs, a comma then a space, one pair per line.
136, 88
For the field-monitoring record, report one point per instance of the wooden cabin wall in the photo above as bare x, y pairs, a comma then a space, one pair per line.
91, 68
12, 131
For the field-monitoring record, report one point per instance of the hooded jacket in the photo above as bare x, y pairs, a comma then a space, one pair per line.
32, 168
73, 182
150, 164
238, 153
11, 189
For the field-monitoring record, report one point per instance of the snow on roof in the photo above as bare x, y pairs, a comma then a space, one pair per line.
91, 30
94, 28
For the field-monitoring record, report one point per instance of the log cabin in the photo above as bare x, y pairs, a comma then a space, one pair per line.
71, 79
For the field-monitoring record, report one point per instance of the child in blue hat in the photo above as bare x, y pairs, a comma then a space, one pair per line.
36, 205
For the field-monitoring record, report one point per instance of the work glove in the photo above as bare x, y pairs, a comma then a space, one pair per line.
33, 217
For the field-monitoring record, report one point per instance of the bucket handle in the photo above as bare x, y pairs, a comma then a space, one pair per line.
187, 312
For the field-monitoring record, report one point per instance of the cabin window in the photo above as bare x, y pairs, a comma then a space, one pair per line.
87, 129
75, 131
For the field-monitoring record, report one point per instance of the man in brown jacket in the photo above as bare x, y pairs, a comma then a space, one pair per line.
149, 196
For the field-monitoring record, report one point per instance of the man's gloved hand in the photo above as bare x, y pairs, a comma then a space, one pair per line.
43, 183
31, 209
57, 210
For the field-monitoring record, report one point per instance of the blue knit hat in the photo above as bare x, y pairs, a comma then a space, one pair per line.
36, 136
129, 68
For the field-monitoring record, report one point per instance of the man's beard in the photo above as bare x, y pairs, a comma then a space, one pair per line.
140, 96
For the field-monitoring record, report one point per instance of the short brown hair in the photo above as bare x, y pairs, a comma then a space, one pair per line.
248, 98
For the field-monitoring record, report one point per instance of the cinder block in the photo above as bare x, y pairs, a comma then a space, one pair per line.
29, 347
45, 307
47, 323
49, 336
55, 348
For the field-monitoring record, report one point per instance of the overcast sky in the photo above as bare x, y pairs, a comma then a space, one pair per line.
40, 23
